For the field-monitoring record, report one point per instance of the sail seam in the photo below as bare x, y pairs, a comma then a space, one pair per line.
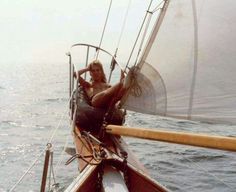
195, 61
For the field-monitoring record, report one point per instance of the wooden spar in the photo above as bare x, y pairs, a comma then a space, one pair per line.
45, 169
201, 140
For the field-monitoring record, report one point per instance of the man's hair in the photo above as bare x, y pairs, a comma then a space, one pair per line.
99, 64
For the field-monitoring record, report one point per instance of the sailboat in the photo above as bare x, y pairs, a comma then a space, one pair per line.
186, 70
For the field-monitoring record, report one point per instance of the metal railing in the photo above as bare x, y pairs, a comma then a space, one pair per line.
73, 82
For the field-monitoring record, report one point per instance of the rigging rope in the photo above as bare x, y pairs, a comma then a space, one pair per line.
104, 28
140, 30
123, 27
61, 155
51, 173
27, 171
158, 7
113, 63
41, 154
58, 125
143, 38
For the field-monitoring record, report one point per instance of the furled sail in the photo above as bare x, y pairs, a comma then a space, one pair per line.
190, 63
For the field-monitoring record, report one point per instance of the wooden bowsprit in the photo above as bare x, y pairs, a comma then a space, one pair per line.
200, 140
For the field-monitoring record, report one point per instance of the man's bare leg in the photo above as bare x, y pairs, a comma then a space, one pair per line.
104, 98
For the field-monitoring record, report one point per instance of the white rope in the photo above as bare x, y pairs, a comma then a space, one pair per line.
147, 27
51, 173
104, 27
50, 170
59, 123
61, 155
137, 38
36, 160
143, 37
27, 171
49, 141
123, 26
56, 129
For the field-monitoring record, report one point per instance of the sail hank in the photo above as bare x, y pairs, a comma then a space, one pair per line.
192, 58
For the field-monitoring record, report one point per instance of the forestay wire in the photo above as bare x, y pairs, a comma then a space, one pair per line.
119, 39
140, 30
104, 27
122, 28
146, 29
144, 35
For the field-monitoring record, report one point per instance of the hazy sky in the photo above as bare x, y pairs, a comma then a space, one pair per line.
43, 30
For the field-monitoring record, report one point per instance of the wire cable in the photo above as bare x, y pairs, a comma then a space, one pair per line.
27, 171
123, 27
104, 28
140, 30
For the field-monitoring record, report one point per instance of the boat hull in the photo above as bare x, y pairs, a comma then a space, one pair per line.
119, 170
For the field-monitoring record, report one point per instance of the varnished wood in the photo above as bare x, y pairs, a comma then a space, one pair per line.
201, 140
138, 179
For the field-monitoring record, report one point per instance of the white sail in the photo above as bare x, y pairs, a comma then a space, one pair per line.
194, 56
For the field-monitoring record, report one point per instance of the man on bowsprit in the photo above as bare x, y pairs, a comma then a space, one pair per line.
100, 93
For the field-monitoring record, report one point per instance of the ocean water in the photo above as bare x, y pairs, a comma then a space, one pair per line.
34, 111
